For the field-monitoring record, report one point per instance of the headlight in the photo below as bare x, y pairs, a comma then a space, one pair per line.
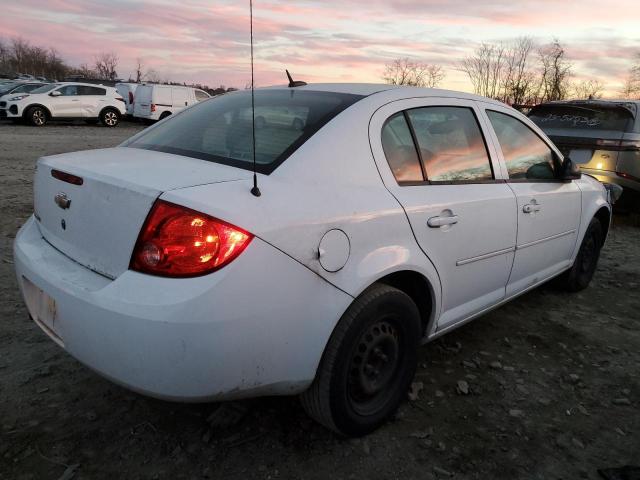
19, 97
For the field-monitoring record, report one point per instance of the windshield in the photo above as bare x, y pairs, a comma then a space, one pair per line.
584, 117
46, 88
219, 130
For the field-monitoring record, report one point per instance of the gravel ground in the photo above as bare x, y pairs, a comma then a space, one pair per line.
552, 385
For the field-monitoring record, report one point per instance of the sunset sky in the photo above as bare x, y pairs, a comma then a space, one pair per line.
206, 41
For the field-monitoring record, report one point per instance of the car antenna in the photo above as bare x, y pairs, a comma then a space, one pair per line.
255, 191
294, 83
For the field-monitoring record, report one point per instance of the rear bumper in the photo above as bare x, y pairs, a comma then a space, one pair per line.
256, 327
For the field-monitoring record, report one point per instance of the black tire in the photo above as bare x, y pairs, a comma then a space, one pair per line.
368, 364
110, 117
37, 116
580, 274
164, 115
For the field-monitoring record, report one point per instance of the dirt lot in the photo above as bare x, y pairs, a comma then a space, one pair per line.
554, 385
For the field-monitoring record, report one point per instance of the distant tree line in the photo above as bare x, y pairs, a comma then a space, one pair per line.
18, 56
515, 72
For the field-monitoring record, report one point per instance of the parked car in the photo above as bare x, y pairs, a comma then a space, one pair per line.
393, 217
66, 101
601, 136
127, 91
18, 87
156, 102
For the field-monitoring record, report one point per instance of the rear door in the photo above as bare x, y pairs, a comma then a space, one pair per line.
549, 210
460, 209
143, 99
93, 100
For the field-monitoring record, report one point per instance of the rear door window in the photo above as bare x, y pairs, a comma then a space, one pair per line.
527, 156
86, 90
400, 150
69, 90
451, 144
220, 130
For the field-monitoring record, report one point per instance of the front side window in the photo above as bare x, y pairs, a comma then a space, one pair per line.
200, 95
526, 155
220, 130
46, 88
400, 150
451, 144
69, 90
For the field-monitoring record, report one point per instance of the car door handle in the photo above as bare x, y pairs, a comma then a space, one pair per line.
531, 208
437, 222
75, 100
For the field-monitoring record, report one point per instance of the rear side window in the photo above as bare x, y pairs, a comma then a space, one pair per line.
526, 155
583, 117
220, 130
400, 150
451, 144
85, 90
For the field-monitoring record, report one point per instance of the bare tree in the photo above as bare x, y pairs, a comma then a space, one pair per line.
404, 71
588, 89
631, 88
555, 72
152, 76
485, 69
519, 83
106, 64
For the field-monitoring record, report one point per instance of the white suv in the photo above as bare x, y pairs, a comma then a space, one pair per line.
66, 101
388, 217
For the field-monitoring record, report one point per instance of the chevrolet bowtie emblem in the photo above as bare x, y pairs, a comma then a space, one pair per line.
62, 200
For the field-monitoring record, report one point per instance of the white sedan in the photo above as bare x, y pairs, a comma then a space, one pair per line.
388, 217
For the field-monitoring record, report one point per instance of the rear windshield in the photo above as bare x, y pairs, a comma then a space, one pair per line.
220, 129
583, 117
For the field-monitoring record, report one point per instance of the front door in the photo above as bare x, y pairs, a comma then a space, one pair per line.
434, 159
549, 210
68, 104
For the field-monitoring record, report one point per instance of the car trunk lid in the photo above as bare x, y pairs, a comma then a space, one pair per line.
97, 222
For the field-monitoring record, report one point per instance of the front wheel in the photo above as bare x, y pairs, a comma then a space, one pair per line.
580, 274
368, 364
37, 116
109, 118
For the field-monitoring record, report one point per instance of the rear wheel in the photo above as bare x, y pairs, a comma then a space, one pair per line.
580, 274
109, 118
164, 115
368, 364
37, 116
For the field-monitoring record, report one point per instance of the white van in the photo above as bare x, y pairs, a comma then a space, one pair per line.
127, 90
155, 102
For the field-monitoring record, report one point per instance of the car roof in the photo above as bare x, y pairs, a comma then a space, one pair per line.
397, 91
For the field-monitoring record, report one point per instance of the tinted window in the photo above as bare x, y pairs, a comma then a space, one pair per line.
583, 117
526, 155
200, 96
69, 90
220, 130
31, 87
85, 90
451, 144
46, 88
400, 150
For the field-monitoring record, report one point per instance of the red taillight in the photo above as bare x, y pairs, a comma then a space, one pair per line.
67, 177
131, 98
153, 107
179, 242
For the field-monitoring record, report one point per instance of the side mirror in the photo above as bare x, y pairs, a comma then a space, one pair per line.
569, 170
55, 93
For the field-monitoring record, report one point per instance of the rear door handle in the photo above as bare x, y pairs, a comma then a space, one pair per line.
437, 222
531, 208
